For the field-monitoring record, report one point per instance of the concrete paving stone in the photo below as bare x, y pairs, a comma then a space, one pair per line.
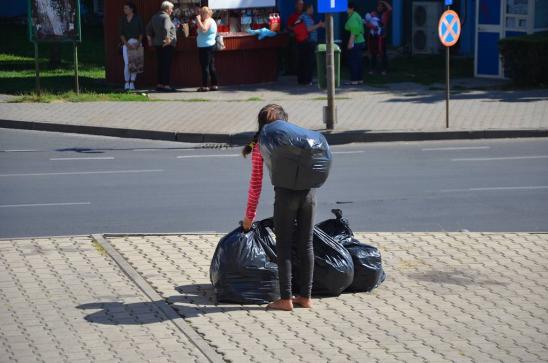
51, 356
69, 314
400, 330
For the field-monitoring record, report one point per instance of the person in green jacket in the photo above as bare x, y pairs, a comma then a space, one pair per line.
356, 44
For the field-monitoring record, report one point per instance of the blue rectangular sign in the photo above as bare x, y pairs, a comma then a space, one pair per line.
448, 2
332, 6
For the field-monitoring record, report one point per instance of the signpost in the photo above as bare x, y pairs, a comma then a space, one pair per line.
449, 28
328, 7
51, 21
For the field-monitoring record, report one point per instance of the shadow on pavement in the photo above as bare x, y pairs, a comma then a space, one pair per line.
195, 300
485, 96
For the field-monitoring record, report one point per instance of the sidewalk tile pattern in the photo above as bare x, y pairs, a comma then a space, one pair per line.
64, 300
448, 297
364, 110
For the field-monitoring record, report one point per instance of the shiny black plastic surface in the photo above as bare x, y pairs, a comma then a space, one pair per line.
243, 269
297, 158
368, 271
333, 266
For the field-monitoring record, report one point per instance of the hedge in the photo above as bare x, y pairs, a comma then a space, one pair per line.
525, 59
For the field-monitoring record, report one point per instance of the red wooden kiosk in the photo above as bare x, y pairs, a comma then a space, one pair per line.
245, 59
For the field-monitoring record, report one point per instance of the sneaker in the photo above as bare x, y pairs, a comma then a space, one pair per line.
202, 89
126, 86
132, 86
214, 88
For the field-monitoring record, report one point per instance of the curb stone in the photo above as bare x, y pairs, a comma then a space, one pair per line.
333, 137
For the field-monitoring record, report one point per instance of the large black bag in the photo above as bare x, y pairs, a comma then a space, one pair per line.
297, 158
243, 268
368, 272
333, 266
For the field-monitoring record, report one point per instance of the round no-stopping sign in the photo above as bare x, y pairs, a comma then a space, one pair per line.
449, 28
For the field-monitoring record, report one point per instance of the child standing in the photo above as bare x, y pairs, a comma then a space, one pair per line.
293, 215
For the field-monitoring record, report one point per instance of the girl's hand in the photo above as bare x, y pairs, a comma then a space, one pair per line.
246, 224
199, 17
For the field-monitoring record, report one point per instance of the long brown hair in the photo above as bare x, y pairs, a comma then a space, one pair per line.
267, 114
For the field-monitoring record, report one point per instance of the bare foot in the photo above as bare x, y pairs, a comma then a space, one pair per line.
281, 304
304, 302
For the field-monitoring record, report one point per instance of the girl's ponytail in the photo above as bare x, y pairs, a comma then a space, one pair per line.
249, 147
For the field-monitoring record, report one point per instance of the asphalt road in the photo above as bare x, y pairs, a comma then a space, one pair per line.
64, 184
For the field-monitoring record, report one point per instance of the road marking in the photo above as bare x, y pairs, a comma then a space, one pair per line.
535, 187
456, 148
20, 151
43, 204
86, 158
504, 158
208, 156
89, 172
348, 152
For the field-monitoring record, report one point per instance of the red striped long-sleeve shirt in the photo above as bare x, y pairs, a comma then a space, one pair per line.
255, 183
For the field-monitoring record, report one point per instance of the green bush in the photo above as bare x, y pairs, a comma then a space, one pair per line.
525, 59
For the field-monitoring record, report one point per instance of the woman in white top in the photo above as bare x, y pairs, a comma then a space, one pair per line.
207, 32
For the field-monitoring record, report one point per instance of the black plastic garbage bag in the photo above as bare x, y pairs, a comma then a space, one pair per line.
297, 158
243, 268
368, 272
333, 266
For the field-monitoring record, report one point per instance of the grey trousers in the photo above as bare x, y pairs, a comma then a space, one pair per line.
293, 224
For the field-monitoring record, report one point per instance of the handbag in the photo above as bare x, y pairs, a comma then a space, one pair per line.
219, 42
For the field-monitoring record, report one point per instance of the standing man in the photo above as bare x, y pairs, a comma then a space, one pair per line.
299, 7
306, 49
377, 23
162, 36
292, 60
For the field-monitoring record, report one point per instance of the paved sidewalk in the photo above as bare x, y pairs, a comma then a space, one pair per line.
53, 292
227, 115
448, 297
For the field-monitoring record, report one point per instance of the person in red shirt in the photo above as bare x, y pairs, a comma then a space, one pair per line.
291, 51
293, 216
299, 8
376, 38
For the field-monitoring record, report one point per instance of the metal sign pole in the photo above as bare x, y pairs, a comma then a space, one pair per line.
447, 72
330, 111
76, 81
37, 69
447, 87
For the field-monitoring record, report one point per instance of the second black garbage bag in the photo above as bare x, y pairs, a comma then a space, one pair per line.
243, 269
333, 266
368, 271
